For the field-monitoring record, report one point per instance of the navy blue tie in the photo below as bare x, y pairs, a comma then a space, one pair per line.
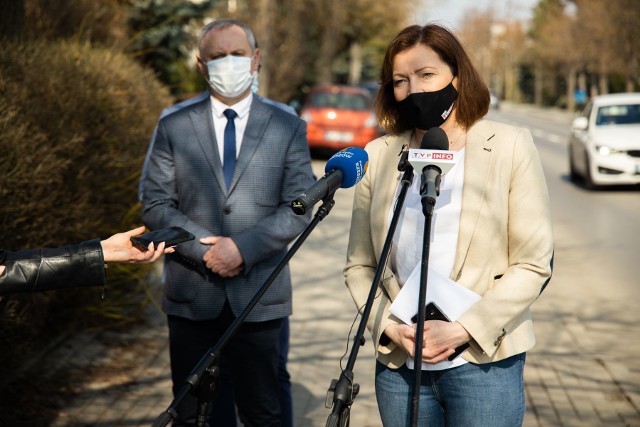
229, 160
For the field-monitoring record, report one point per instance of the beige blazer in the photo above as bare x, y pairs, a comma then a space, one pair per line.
505, 242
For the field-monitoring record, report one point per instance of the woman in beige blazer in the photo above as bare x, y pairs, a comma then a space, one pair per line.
491, 234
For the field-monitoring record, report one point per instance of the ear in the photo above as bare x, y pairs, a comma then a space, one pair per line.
255, 62
202, 66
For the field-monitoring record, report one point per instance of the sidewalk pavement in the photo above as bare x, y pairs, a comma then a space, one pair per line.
577, 375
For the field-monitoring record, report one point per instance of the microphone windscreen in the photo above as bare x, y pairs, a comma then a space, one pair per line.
352, 162
435, 139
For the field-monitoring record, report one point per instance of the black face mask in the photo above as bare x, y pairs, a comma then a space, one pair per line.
425, 110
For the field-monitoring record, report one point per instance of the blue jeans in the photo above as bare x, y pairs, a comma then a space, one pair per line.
490, 394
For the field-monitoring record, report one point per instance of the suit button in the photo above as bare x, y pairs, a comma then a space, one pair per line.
500, 338
226, 211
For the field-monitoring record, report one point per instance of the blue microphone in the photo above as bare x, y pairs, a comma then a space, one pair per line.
343, 170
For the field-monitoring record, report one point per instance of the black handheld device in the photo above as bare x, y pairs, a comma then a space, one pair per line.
170, 236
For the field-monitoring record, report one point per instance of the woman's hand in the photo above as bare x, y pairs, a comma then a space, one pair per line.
403, 335
118, 248
440, 339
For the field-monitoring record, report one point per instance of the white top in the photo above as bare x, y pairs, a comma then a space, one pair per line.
406, 251
220, 121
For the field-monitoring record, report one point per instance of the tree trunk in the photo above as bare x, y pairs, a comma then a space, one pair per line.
571, 88
628, 84
511, 76
537, 85
264, 42
11, 18
603, 84
329, 41
355, 63
593, 87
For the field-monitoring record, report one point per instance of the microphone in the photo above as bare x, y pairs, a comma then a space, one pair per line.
434, 152
343, 170
432, 160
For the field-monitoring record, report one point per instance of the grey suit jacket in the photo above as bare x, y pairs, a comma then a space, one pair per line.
504, 248
183, 184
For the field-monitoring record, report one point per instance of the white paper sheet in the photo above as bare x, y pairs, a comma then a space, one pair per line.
453, 299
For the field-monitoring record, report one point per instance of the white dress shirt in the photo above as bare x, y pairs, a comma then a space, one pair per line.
220, 121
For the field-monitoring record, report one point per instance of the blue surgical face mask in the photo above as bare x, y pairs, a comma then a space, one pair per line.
231, 75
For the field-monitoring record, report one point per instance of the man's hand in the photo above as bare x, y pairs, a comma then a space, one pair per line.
223, 257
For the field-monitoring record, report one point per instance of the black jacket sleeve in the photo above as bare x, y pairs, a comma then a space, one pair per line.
46, 269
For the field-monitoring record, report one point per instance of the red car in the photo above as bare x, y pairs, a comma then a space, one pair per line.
339, 117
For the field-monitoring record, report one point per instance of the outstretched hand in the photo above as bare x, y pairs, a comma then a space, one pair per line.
118, 248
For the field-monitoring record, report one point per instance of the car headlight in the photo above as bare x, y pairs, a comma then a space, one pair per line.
604, 150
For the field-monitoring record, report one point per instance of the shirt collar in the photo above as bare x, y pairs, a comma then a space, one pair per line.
241, 108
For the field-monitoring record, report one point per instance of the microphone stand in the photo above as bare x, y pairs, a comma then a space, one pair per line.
202, 380
343, 391
429, 191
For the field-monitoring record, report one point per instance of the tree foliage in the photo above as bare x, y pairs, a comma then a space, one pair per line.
162, 36
585, 44
599, 38
74, 127
305, 42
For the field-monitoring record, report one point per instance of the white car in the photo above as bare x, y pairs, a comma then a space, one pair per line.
604, 146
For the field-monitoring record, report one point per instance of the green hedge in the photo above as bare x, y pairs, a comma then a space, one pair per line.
75, 122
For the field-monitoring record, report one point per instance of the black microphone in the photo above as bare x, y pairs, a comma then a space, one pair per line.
344, 169
435, 139
432, 160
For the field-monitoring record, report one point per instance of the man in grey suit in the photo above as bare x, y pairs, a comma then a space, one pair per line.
228, 177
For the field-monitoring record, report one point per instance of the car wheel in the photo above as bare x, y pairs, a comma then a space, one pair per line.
573, 173
588, 180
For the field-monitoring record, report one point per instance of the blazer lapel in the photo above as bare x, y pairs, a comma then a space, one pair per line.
478, 151
202, 122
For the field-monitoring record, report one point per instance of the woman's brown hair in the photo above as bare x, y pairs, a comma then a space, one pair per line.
473, 95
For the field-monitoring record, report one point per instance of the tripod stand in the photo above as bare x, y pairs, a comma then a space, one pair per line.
202, 380
343, 391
